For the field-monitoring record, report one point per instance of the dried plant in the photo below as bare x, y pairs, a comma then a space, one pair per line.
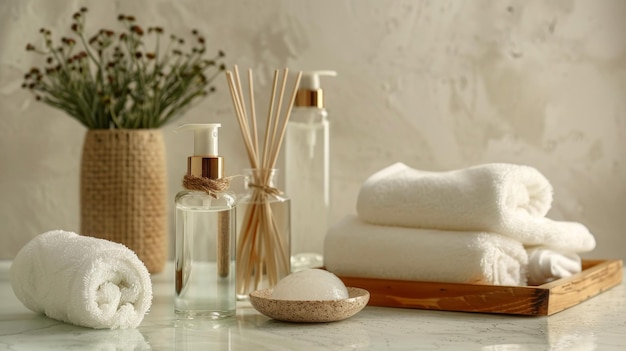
113, 80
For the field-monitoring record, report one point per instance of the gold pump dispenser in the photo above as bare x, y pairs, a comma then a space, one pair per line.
204, 276
310, 94
307, 171
205, 162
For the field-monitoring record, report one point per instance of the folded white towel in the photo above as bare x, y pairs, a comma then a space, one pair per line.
357, 249
82, 280
545, 265
500, 198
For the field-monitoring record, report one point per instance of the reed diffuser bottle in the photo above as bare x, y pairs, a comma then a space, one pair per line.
205, 271
264, 214
263, 242
307, 172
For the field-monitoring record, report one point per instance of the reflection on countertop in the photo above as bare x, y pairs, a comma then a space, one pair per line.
597, 324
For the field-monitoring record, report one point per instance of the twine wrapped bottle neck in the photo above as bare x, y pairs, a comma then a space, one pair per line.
210, 186
205, 173
266, 189
263, 180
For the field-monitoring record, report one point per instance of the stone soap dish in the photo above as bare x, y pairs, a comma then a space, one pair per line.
316, 311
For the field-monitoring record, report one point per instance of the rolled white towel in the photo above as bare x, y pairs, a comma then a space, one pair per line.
82, 280
358, 249
500, 198
546, 265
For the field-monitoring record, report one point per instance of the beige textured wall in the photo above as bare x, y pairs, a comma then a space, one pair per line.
435, 84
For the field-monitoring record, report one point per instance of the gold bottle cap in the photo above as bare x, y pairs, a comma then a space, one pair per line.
206, 166
310, 98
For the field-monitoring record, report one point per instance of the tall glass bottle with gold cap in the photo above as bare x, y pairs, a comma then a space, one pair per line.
205, 234
307, 172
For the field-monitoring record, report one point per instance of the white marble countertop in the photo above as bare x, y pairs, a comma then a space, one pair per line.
597, 324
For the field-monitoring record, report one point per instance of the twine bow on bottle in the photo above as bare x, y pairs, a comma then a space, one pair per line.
209, 186
266, 189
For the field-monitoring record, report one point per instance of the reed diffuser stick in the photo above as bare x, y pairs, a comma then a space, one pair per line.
252, 156
269, 120
262, 252
253, 109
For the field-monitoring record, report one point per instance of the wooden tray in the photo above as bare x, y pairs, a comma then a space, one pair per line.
543, 300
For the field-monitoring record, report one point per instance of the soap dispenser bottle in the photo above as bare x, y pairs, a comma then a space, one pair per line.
307, 172
205, 234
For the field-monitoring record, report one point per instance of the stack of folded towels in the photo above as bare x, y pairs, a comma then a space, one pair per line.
483, 225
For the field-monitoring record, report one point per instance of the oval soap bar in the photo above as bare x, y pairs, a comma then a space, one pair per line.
310, 285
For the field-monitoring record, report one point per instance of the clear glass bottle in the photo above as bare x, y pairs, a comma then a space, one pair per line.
307, 172
205, 268
264, 238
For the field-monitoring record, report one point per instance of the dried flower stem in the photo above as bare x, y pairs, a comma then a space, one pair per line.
114, 81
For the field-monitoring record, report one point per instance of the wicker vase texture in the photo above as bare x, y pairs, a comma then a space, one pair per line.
123, 191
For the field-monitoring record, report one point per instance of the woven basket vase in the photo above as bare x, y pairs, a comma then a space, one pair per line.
123, 191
